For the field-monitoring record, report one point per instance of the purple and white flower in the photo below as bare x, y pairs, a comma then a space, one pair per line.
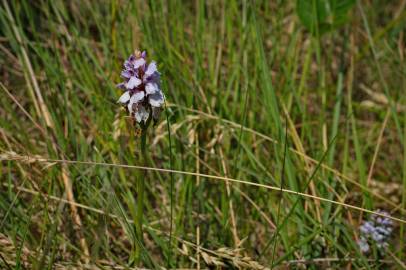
375, 231
142, 95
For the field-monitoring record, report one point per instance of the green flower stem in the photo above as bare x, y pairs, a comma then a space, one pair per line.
141, 191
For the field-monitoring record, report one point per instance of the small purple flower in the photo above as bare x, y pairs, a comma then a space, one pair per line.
375, 231
142, 95
363, 245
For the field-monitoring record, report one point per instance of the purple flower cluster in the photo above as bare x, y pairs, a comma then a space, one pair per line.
375, 231
143, 96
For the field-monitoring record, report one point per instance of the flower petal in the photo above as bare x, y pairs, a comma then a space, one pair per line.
126, 74
124, 97
151, 69
141, 114
137, 96
157, 99
121, 85
151, 88
133, 82
139, 62
130, 106
129, 61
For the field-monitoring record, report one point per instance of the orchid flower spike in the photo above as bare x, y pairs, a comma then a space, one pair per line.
142, 95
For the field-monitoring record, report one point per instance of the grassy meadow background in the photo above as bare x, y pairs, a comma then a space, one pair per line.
261, 95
